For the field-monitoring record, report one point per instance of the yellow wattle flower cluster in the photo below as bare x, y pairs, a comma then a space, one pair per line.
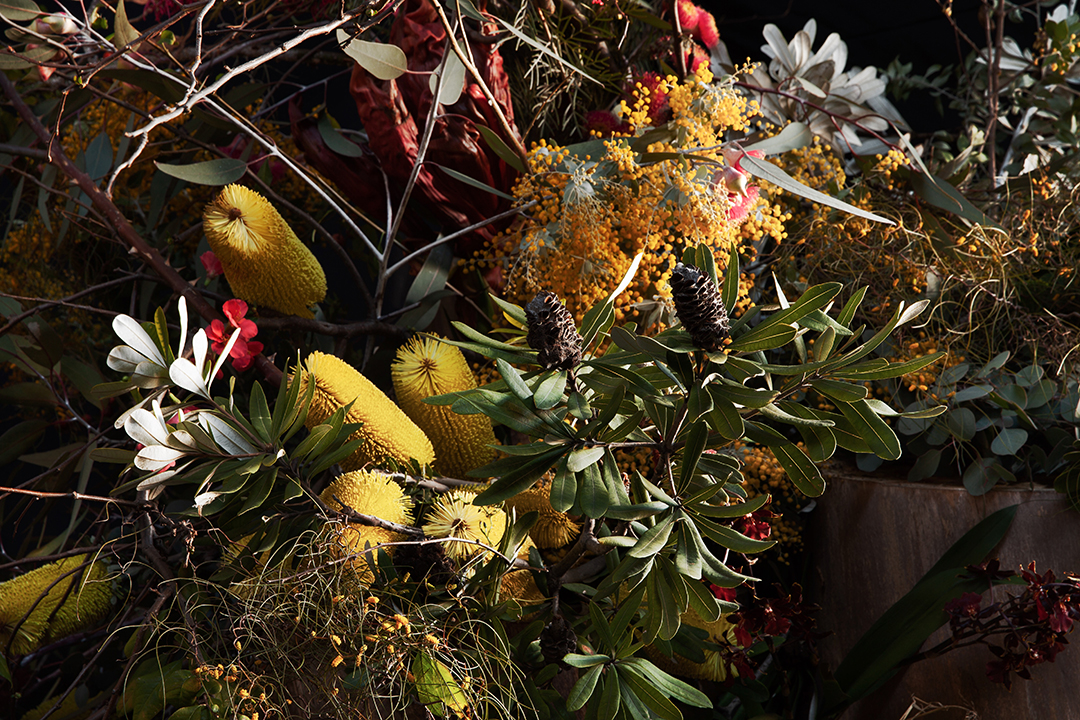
264, 262
78, 600
553, 529
596, 212
425, 367
389, 435
368, 493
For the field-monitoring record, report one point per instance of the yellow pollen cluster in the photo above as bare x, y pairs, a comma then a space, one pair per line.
425, 367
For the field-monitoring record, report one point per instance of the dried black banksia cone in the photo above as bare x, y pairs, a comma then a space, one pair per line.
556, 639
699, 307
552, 332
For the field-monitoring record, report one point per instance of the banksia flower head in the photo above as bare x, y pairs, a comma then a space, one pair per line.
369, 493
264, 262
425, 367
553, 529
520, 585
455, 516
73, 602
388, 433
699, 307
552, 332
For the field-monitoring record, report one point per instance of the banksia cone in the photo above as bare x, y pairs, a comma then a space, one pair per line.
552, 332
264, 262
557, 639
553, 529
76, 601
388, 433
425, 367
699, 307
369, 493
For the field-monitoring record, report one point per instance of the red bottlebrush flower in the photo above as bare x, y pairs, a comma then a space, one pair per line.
706, 30
211, 264
243, 350
604, 123
689, 15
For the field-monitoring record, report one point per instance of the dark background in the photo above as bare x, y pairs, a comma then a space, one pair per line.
876, 33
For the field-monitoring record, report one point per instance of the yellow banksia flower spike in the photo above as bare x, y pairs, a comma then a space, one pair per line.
264, 262
75, 602
454, 516
387, 432
425, 367
369, 493
520, 585
553, 529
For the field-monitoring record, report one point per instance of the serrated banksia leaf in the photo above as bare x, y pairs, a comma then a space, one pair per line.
425, 367
388, 433
553, 529
264, 262
552, 332
75, 602
699, 307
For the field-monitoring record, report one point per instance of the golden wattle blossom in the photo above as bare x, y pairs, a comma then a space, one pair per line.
389, 435
425, 367
75, 602
264, 262
455, 516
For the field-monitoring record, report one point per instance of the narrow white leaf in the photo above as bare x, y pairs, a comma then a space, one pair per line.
124, 359
629, 276
184, 373
182, 308
144, 428
148, 374
205, 499
453, 84
199, 346
227, 438
132, 333
222, 357
156, 457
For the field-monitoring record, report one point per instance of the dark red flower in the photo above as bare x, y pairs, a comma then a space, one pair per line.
211, 264
967, 604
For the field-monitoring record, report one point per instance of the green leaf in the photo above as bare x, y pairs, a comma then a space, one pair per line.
512, 378
521, 479
774, 412
775, 175
727, 391
585, 661
383, 60
212, 172
647, 693
794, 135
729, 295
436, 686
123, 33
763, 338
800, 469
695, 445
983, 474
260, 413
335, 141
20, 438
500, 148
942, 194
550, 390
592, 495
609, 698
875, 431
730, 538
654, 540
842, 391
725, 419
670, 686
904, 627
893, 369
583, 689
543, 48
260, 491
19, 11
1009, 441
